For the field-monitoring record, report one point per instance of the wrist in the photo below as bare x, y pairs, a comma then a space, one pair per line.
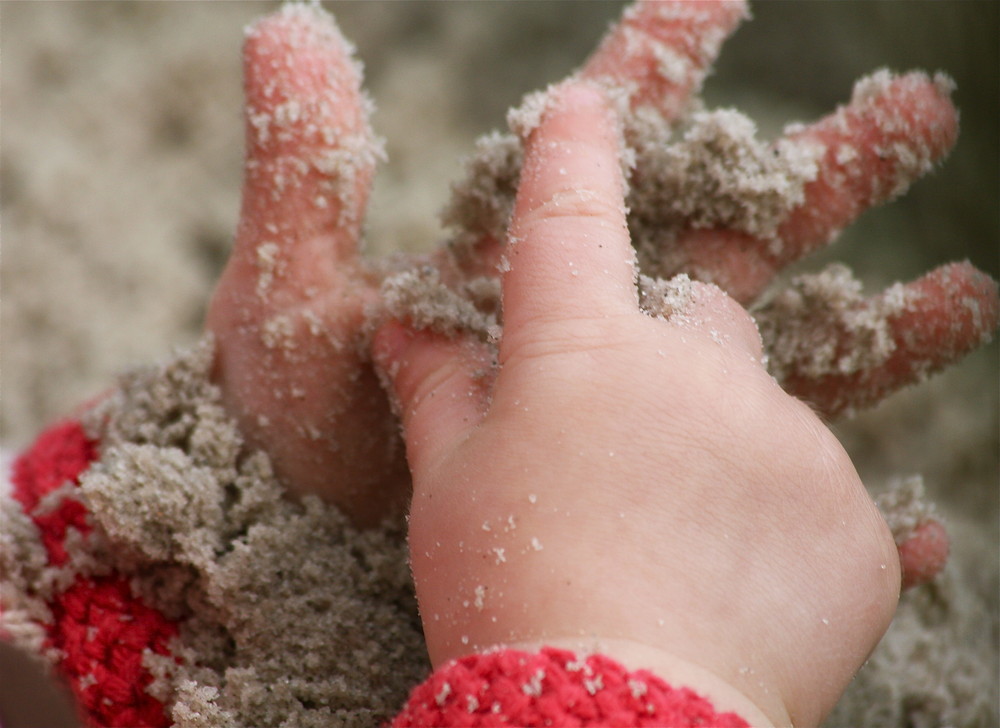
764, 709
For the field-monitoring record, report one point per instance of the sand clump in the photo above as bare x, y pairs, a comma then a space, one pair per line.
718, 175
287, 614
821, 324
481, 202
420, 298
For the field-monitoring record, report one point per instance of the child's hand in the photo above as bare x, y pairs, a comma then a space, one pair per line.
636, 485
288, 315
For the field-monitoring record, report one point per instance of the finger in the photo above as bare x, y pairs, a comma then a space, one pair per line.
921, 540
287, 310
660, 52
841, 352
658, 55
310, 155
568, 250
923, 555
892, 132
439, 387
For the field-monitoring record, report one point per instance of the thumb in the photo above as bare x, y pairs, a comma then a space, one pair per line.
439, 387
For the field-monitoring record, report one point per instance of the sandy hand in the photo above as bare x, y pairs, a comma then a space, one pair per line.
288, 311
826, 342
633, 484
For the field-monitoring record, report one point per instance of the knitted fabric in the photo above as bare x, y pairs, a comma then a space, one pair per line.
553, 688
257, 610
60, 454
99, 630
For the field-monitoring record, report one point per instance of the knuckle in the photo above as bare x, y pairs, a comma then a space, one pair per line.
550, 336
577, 203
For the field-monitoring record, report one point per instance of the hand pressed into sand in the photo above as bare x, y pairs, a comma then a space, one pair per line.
631, 484
289, 315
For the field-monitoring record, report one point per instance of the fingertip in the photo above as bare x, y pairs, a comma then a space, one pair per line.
842, 352
568, 96
580, 96
893, 131
924, 554
660, 52
898, 125
310, 149
944, 315
914, 103
298, 72
292, 48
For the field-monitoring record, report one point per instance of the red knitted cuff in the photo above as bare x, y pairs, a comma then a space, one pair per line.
99, 630
553, 688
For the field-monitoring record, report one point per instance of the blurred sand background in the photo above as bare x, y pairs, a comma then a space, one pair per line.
121, 155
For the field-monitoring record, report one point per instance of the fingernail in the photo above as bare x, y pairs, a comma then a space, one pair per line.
567, 96
580, 95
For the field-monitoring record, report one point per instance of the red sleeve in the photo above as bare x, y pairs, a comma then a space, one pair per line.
553, 688
98, 630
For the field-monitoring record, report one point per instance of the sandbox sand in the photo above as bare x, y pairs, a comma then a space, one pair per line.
120, 178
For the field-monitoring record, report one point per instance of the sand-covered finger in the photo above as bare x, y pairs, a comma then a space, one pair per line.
660, 52
310, 150
841, 352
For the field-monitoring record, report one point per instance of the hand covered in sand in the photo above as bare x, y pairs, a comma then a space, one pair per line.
633, 484
712, 202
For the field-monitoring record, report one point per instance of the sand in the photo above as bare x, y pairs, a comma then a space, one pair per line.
287, 614
121, 159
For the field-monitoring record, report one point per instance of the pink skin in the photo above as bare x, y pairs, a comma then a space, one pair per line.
923, 554
309, 397
291, 360
694, 32
950, 311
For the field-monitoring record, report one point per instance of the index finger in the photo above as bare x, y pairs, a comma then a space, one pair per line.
568, 250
